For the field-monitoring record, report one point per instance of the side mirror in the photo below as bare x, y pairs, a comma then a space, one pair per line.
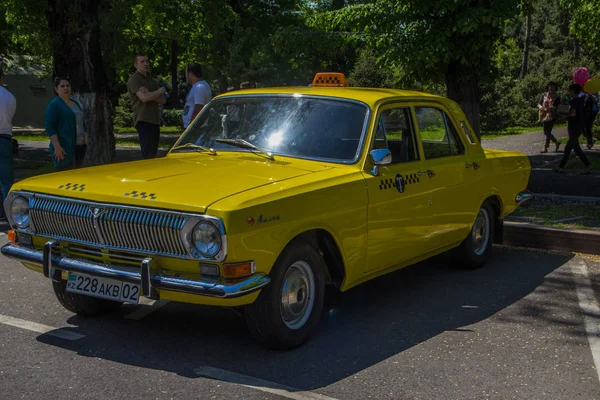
380, 157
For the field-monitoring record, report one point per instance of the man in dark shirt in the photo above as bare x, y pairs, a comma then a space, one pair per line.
575, 129
145, 98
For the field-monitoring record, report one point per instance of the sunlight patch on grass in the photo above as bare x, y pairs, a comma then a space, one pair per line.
559, 214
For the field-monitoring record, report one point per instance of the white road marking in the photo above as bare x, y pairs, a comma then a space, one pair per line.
147, 309
259, 384
591, 311
40, 328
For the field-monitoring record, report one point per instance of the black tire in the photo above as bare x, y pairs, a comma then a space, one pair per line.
81, 304
265, 317
476, 249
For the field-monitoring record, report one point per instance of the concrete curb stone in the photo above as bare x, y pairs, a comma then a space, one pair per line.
520, 234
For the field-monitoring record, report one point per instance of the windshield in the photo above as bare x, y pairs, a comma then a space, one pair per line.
285, 125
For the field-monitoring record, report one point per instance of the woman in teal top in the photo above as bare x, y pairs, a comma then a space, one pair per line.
65, 126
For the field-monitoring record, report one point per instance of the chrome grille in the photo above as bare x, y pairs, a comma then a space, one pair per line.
110, 226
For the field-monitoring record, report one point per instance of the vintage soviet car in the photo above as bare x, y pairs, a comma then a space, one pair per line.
269, 196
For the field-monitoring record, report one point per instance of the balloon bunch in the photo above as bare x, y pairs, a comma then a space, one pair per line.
581, 76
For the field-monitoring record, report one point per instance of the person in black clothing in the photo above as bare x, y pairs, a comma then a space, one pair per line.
591, 111
575, 129
547, 106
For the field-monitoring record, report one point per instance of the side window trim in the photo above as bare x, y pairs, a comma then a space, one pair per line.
451, 128
410, 114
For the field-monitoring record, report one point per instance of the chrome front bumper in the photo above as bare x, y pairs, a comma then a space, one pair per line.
53, 264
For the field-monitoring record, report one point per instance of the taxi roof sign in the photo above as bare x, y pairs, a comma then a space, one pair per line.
330, 79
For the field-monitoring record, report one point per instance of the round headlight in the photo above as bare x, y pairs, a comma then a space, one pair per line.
207, 239
19, 212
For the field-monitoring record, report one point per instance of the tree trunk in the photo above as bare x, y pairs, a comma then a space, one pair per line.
462, 87
529, 11
174, 96
75, 31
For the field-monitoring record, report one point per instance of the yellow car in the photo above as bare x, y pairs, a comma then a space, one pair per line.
269, 196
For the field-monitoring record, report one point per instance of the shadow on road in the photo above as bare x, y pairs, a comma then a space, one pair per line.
359, 328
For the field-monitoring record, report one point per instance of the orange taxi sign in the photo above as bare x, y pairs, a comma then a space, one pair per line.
331, 79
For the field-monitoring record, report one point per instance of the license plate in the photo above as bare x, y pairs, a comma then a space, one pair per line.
103, 287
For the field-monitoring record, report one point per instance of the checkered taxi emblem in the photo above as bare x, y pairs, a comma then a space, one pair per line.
80, 187
141, 195
329, 80
390, 183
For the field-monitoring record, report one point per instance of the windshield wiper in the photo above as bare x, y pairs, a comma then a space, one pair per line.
196, 147
241, 143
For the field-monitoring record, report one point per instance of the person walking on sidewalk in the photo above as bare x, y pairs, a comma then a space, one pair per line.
146, 95
547, 107
8, 106
575, 128
591, 111
65, 125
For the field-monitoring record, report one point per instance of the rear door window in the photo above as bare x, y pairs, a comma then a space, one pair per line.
438, 134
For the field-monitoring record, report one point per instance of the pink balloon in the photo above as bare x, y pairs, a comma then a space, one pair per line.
581, 76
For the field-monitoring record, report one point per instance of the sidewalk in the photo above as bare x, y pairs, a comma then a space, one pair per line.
543, 179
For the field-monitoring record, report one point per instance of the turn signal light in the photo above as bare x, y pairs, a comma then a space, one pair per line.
12, 236
238, 270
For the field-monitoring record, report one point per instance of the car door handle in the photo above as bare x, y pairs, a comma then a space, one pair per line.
475, 165
429, 173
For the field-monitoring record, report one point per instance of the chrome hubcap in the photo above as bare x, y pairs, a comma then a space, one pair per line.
480, 234
297, 295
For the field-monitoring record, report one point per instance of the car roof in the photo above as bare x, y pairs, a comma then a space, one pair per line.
370, 96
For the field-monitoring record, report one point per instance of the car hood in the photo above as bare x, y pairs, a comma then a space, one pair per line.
186, 182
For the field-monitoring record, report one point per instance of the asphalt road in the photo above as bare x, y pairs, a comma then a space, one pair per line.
512, 330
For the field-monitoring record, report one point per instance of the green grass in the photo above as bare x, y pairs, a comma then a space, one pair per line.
163, 129
516, 130
32, 138
554, 212
162, 144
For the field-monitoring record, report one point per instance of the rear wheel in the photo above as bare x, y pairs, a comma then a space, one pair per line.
81, 304
288, 310
476, 249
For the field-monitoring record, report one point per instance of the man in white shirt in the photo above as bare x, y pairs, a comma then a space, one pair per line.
8, 106
198, 96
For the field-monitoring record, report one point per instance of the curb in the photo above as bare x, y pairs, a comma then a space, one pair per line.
581, 199
522, 234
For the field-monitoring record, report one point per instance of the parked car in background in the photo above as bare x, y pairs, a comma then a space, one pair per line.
269, 196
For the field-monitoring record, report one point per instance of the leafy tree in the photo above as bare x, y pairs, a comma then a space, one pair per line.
76, 44
585, 23
451, 41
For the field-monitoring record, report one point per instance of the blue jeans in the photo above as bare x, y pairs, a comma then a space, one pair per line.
6, 164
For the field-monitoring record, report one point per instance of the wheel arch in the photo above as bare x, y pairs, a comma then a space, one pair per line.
328, 248
495, 201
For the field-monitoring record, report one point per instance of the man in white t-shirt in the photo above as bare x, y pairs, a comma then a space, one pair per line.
8, 106
198, 96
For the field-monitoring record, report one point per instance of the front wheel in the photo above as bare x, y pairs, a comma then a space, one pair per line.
476, 249
288, 310
80, 304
